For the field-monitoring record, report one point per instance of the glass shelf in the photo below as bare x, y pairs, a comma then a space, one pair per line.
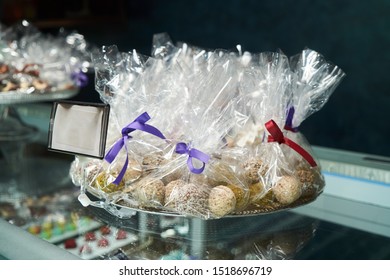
16, 97
16, 133
349, 220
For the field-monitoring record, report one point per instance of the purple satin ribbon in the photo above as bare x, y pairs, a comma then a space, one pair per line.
182, 148
288, 123
138, 124
79, 78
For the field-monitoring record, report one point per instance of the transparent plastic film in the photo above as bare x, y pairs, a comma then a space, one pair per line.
206, 133
313, 80
36, 62
184, 177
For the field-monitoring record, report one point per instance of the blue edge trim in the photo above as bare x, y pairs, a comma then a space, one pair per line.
357, 179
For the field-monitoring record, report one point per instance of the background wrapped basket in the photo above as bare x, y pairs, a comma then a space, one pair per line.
207, 133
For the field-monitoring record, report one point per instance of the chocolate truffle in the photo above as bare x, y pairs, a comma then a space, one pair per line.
89, 236
287, 190
311, 180
171, 191
253, 169
150, 193
222, 201
191, 200
91, 170
133, 172
153, 161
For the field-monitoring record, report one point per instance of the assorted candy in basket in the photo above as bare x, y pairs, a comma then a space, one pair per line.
206, 133
35, 62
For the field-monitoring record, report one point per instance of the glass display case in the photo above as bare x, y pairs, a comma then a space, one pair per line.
349, 220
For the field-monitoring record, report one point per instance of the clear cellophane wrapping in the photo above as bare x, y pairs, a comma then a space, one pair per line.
227, 120
35, 62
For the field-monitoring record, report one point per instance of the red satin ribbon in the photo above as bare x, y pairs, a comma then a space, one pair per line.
277, 136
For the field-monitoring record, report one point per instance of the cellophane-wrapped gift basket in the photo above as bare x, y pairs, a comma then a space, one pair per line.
206, 133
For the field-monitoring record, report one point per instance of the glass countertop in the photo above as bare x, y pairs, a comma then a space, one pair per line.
349, 220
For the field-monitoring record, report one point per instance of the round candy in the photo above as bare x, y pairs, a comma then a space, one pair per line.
70, 243
222, 201
47, 225
103, 242
46, 234
253, 169
34, 229
170, 190
91, 170
70, 226
133, 172
192, 200
61, 223
287, 190
121, 234
311, 180
151, 193
85, 250
105, 230
90, 236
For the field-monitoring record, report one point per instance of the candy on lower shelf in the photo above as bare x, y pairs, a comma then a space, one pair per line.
34, 229
103, 242
90, 236
121, 234
70, 226
85, 249
105, 230
57, 231
70, 243
46, 234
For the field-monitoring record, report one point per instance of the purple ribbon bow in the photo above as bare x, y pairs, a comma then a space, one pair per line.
138, 124
79, 78
288, 123
182, 148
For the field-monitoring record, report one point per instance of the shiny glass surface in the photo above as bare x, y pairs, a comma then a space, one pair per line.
350, 220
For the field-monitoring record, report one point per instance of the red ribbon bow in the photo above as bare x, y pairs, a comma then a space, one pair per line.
277, 136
